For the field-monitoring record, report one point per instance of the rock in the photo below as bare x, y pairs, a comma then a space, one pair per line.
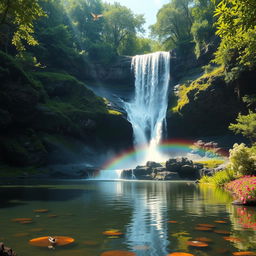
189, 172
152, 164
166, 176
6, 251
140, 171
127, 174
237, 202
174, 164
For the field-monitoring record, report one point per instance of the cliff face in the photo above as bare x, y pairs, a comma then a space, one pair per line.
44, 114
207, 106
119, 72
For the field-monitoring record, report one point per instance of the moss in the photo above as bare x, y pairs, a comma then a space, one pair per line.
200, 84
10, 66
211, 163
14, 172
53, 77
66, 89
114, 112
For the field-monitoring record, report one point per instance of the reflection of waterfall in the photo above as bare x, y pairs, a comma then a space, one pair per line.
147, 111
148, 226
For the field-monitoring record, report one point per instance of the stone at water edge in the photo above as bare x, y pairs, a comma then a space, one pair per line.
6, 251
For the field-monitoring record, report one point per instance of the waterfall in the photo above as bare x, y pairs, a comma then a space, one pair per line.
147, 111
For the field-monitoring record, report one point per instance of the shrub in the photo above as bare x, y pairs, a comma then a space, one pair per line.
219, 178
243, 159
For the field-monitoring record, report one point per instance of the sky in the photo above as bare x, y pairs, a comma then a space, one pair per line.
147, 7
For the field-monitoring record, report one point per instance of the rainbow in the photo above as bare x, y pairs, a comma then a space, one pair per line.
167, 147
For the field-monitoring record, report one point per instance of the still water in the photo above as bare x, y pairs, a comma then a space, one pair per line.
156, 218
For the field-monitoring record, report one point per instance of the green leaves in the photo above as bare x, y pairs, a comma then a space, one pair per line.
246, 125
236, 25
19, 15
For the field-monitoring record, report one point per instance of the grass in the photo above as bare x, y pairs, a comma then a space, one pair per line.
200, 84
219, 178
211, 163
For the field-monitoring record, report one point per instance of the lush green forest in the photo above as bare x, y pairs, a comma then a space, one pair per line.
50, 50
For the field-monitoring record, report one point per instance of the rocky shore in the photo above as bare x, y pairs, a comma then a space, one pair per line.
173, 169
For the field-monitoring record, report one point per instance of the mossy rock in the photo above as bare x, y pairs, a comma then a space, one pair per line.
24, 149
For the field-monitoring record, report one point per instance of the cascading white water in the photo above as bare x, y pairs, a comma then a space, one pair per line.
147, 112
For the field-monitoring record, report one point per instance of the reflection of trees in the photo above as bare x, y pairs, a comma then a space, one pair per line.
203, 201
243, 218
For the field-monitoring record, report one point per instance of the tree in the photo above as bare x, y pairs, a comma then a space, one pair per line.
236, 25
246, 125
120, 24
203, 30
174, 21
16, 22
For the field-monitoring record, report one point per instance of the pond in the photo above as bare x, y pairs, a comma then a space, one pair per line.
156, 218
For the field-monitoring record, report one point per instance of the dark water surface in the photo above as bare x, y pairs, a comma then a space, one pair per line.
141, 210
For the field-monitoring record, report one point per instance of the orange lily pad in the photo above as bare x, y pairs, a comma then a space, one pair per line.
41, 210
222, 232
232, 239
180, 254
26, 222
118, 253
197, 244
203, 228
21, 219
112, 232
203, 239
247, 253
206, 225
44, 241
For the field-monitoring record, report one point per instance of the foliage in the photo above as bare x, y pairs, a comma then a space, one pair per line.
246, 125
202, 29
219, 178
236, 25
244, 188
200, 84
16, 22
250, 101
242, 159
211, 163
120, 24
174, 21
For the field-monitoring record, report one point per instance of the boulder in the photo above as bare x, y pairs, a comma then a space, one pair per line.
189, 172
140, 171
152, 164
174, 164
6, 251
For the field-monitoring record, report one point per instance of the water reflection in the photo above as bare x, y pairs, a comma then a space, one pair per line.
156, 218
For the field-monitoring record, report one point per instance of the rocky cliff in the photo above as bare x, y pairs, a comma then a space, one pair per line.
44, 114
